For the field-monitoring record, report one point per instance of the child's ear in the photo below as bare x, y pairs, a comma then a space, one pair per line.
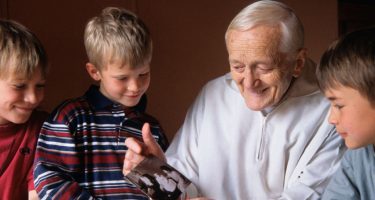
93, 71
300, 62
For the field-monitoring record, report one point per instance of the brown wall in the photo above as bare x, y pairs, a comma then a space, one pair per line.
188, 40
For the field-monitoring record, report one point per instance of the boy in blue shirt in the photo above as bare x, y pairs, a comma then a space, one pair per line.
80, 151
347, 76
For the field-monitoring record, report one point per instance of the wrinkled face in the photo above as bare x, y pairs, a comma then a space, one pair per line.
257, 66
19, 97
353, 116
123, 84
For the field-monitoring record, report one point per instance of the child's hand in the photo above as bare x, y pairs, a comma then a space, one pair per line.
137, 150
33, 195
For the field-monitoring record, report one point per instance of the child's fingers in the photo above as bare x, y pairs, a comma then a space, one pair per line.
137, 150
134, 154
135, 145
144, 147
131, 160
128, 166
150, 142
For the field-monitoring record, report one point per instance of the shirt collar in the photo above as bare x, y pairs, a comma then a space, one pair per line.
99, 101
96, 98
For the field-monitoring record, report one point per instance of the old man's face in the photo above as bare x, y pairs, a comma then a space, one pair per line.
261, 72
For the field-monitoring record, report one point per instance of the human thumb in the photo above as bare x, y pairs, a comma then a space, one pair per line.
150, 142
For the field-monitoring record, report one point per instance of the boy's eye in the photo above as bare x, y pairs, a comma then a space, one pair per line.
41, 86
144, 74
19, 86
122, 78
338, 106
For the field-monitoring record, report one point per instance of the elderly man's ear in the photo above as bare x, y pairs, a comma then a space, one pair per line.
300, 62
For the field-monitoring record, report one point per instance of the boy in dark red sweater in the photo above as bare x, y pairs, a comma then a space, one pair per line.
23, 68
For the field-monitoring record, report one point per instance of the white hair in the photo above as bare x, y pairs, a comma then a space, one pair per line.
272, 13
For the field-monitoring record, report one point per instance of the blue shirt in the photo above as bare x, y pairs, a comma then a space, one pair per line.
355, 179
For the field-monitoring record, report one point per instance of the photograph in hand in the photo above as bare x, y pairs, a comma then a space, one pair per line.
158, 180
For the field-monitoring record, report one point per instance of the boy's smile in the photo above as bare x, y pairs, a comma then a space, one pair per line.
353, 115
122, 83
20, 97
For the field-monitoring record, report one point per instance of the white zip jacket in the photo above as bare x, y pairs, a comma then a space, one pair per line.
231, 152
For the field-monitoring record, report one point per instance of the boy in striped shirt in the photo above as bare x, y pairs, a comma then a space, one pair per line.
81, 149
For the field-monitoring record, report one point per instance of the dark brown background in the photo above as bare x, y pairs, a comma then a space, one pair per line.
188, 37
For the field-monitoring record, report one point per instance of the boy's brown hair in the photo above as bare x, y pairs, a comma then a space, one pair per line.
117, 34
350, 62
21, 52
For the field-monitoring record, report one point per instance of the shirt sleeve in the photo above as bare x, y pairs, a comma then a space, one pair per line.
57, 162
341, 186
183, 151
316, 166
30, 181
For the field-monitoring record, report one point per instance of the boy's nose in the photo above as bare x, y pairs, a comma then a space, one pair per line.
32, 97
332, 119
133, 85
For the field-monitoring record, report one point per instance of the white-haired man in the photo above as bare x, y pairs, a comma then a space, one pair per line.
260, 131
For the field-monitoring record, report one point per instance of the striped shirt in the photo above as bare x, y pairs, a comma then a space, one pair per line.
80, 150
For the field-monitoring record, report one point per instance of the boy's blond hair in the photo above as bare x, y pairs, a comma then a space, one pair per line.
21, 52
117, 34
350, 62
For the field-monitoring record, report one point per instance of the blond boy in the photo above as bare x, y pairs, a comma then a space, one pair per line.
23, 69
81, 149
347, 76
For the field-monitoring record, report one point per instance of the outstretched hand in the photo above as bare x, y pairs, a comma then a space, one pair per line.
138, 150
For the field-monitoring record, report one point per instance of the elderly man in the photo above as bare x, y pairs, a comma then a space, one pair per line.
259, 132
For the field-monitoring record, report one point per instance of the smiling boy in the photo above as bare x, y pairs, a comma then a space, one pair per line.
347, 76
23, 70
81, 149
